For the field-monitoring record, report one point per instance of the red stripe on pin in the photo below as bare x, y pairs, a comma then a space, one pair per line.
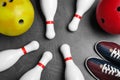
24, 50
68, 58
49, 22
41, 65
78, 16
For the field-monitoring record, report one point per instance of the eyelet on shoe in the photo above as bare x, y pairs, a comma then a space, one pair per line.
101, 66
111, 50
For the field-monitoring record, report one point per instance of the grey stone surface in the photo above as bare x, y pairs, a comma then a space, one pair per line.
81, 42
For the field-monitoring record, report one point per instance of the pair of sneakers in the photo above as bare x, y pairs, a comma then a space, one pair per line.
109, 68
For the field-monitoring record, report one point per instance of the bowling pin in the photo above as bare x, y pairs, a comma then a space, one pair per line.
72, 72
9, 57
49, 8
82, 6
35, 73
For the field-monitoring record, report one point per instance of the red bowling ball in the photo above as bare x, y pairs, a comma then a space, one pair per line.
108, 15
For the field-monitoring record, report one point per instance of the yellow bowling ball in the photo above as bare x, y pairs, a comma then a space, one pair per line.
16, 16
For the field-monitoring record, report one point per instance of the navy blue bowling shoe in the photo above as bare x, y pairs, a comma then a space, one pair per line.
109, 51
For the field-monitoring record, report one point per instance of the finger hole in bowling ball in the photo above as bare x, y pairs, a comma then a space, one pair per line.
102, 20
10, 0
21, 21
118, 9
4, 4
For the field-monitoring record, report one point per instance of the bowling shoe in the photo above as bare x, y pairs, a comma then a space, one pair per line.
109, 51
102, 70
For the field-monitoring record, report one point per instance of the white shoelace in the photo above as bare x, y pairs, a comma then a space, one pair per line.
110, 70
115, 53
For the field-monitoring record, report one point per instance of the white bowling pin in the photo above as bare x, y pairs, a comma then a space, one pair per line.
35, 73
81, 7
49, 8
72, 72
9, 57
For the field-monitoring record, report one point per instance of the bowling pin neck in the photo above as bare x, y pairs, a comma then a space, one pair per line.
44, 61
34, 45
40, 65
78, 14
49, 22
23, 50
47, 56
68, 59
